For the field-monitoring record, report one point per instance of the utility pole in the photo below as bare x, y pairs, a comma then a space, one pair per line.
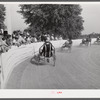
8, 21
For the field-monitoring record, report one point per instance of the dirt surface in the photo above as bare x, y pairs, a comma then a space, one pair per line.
79, 69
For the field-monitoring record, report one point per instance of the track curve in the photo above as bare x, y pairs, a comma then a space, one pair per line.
79, 69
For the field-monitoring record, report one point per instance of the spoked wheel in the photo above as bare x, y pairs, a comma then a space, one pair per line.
81, 44
38, 59
87, 44
54, 60
69, 49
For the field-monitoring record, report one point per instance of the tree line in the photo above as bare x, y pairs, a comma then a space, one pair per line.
57, 19
92, 35
2, 16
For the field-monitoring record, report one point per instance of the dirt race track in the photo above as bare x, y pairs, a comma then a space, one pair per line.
79, 69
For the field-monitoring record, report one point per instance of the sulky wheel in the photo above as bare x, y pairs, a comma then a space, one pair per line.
54, 59
38, 58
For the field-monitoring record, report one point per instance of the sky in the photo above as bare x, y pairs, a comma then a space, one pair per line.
90, 14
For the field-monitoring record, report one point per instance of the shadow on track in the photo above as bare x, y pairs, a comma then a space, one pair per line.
64, 50
82, 46
34, 61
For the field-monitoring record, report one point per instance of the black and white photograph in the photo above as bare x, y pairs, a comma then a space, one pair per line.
50, 46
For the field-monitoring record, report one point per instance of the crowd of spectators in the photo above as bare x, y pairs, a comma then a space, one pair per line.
19, 38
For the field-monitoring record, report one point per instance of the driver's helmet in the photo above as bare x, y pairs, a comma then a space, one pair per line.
46, 38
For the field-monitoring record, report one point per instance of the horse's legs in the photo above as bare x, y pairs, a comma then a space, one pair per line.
69, 48
90, 43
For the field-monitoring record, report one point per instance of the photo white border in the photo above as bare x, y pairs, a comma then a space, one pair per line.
51, 2
50, 93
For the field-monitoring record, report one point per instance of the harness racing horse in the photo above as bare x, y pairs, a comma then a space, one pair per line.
97, 41
88, 41
68, 45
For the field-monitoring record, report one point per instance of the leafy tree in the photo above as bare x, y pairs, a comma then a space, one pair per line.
54, 19
2, 16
